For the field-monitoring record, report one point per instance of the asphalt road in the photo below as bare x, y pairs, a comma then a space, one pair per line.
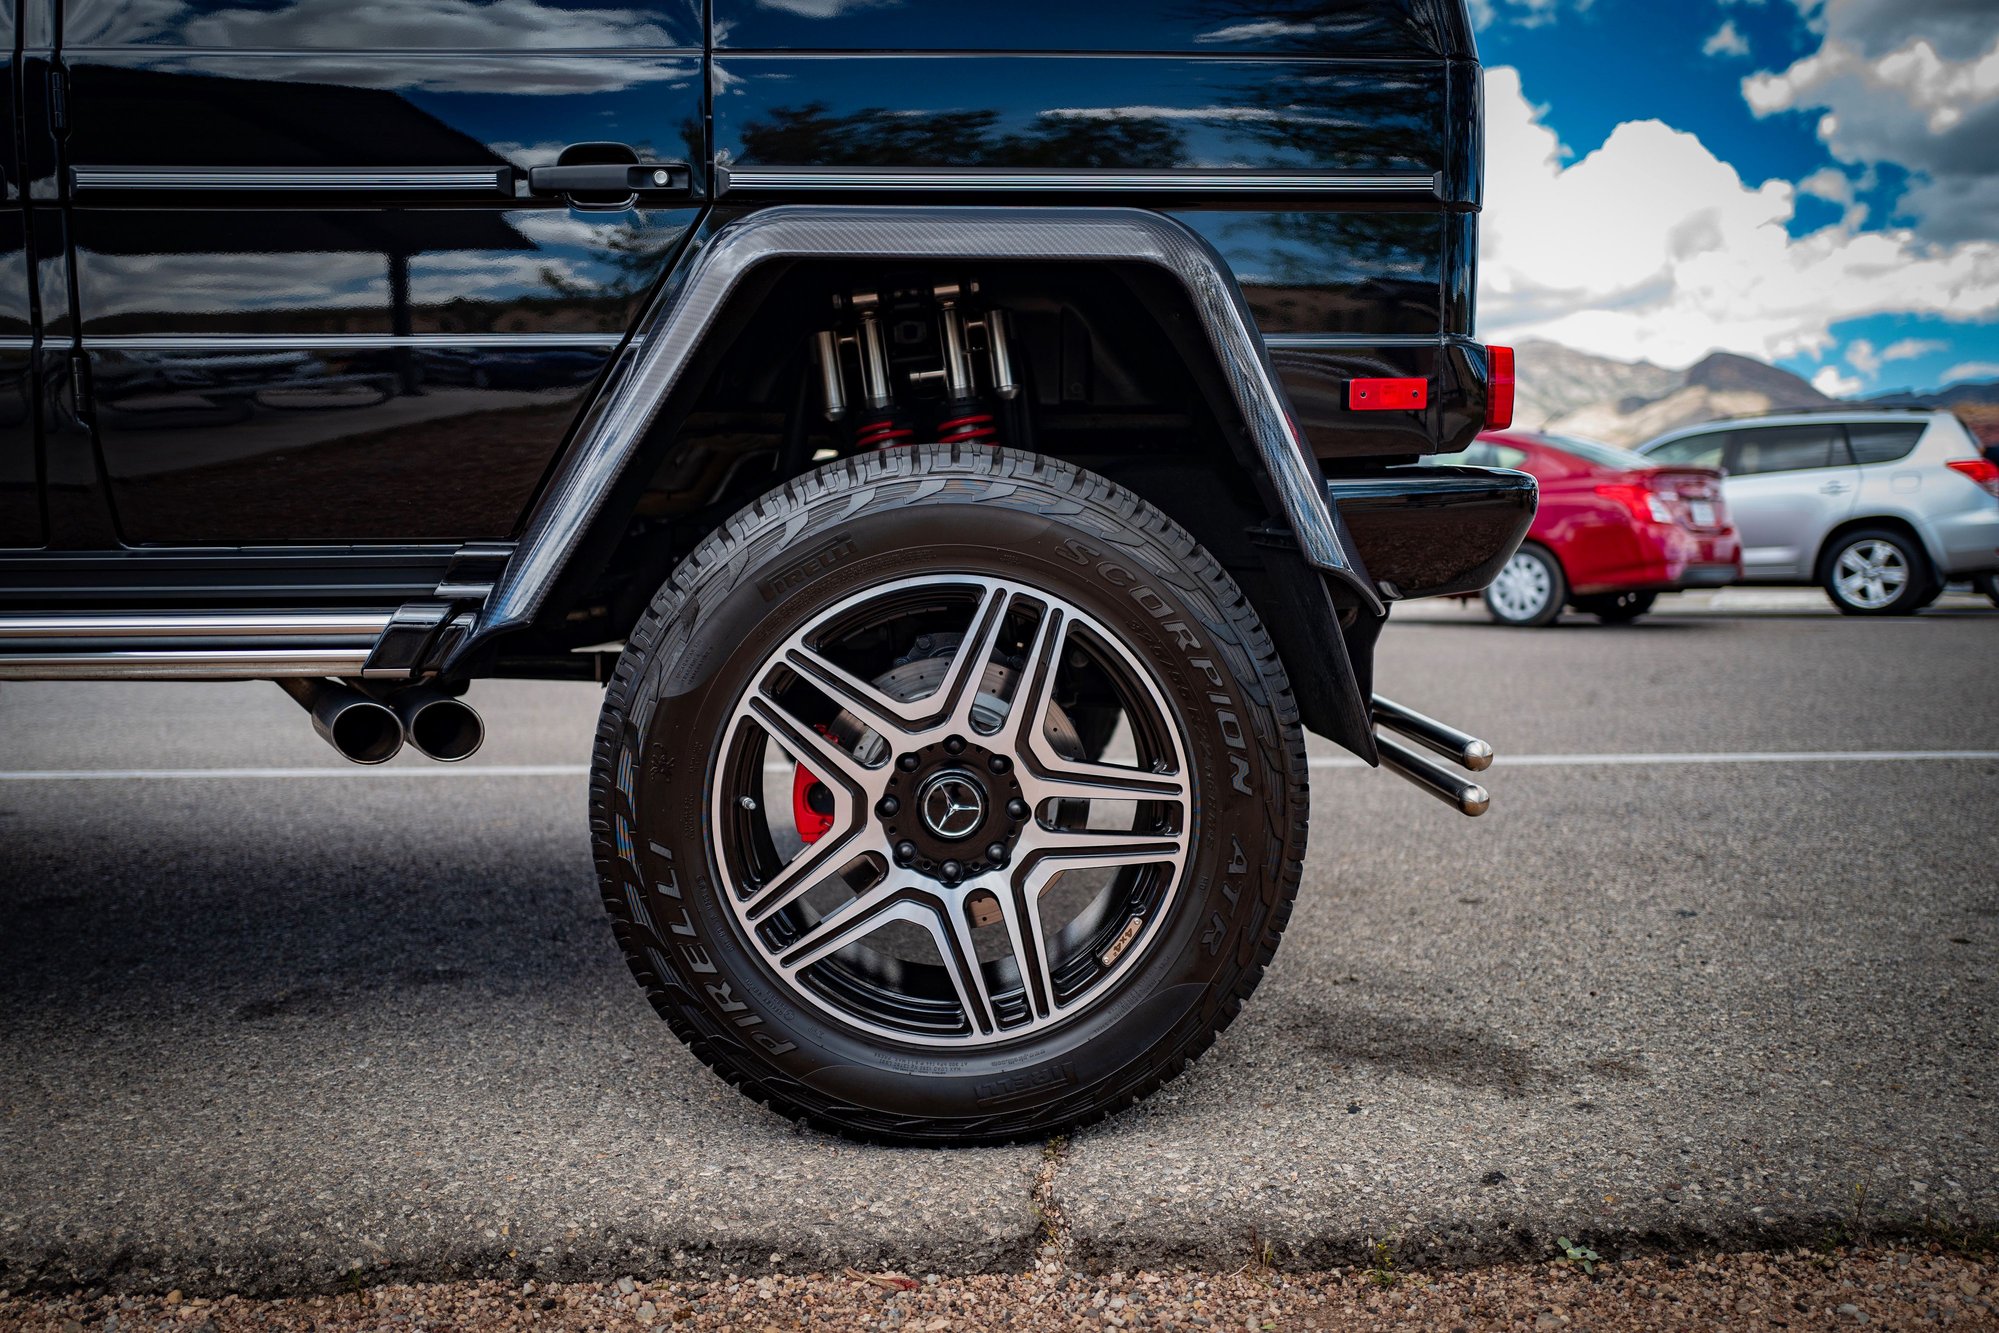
266, 1032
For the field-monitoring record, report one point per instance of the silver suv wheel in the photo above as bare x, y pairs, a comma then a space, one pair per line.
1878, 572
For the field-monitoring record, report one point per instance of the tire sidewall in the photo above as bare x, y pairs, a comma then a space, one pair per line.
865, 527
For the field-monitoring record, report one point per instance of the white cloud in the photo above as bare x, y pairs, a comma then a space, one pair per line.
1912, 82
1860, 354
1651, 247
1835, 385
1726, 41
1525, 13
1908, 349
1972, 370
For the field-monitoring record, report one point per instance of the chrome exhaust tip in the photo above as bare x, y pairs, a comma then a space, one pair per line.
363, 730
1461, 748
439, 725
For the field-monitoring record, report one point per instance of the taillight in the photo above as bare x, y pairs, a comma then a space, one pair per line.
1499, 388
1646, 505
1983, 472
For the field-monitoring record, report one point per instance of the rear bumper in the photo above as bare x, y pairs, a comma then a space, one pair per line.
1433, 531
1707, 576
1651, 557
1967, 542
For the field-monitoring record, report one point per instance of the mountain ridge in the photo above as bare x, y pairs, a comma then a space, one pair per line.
1567, 391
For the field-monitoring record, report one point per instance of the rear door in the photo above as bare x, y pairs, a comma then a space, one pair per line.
1787, 487
20, 504
317, 298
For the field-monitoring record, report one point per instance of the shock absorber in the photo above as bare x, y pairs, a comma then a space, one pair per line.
965, 419
879, 426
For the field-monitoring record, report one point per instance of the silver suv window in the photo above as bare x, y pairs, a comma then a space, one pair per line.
1882, 441
1786, 448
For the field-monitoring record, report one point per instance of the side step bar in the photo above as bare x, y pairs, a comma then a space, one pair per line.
187, 645
1461, 748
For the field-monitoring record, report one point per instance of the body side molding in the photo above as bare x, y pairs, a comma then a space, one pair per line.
695, 296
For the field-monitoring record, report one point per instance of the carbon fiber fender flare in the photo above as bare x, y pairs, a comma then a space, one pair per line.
649, 368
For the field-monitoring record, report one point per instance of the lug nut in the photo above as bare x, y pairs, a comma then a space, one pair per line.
1016, 808
908, 763
887, 806
956, 745
905, 852
999, 763
997, 853
950, 870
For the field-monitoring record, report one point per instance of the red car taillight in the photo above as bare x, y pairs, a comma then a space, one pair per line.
1499, 388
1982, 471
1646, 505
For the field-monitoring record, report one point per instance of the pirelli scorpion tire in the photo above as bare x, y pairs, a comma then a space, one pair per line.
948, 797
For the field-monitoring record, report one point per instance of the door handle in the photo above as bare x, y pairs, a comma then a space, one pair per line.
611, 178
1833, 488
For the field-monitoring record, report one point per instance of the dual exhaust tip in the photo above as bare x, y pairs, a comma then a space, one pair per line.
1461, 748
368, 730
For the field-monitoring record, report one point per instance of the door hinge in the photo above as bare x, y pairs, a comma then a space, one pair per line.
79, 386
58, 103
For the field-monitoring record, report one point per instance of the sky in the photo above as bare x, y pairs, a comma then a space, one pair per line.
1812, 182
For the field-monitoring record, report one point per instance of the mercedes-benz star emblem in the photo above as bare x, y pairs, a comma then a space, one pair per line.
953, 806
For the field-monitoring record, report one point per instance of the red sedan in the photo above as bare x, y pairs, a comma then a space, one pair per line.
1614, 530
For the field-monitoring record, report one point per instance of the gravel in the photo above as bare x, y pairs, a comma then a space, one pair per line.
1882, 1288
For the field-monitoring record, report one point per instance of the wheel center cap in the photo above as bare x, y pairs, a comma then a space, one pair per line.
953, 806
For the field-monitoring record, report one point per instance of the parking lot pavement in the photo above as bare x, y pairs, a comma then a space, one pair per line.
257, 1031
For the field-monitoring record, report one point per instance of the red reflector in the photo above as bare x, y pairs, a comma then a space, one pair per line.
1379, 395
1499, 388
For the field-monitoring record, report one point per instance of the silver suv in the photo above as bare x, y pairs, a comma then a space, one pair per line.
1878, 508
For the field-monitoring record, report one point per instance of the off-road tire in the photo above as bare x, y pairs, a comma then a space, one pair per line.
890, 515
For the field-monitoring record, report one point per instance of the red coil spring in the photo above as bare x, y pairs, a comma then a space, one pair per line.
880, 435
975, 429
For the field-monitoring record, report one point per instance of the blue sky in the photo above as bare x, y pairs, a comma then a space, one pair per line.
1830, 201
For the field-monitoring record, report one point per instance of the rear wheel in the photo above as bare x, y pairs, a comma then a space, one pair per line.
949, 797
1877, 572
1987, 583
1616, 608
1530, 590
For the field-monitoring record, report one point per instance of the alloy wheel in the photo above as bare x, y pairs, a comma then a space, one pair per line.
956, 868
1522, 589
1871, 574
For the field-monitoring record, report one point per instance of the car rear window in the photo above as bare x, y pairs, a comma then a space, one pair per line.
1694, 450
1599, 453
1883, 441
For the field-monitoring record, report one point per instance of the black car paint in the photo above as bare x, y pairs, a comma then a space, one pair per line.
290, 366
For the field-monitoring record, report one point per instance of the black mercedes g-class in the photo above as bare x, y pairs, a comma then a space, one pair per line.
972, 444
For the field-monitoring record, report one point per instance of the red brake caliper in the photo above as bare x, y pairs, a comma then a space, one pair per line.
811, 802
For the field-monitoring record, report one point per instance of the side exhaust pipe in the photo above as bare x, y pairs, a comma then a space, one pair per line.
362, 729
440, 725
1461, 748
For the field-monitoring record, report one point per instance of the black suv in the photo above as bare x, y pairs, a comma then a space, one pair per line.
972, 444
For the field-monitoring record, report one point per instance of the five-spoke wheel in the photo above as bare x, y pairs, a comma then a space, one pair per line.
949, 796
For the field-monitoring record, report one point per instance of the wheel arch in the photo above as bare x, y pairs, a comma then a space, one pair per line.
580, 525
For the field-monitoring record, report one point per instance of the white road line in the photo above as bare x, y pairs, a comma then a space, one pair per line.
1321, 761
259, 774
